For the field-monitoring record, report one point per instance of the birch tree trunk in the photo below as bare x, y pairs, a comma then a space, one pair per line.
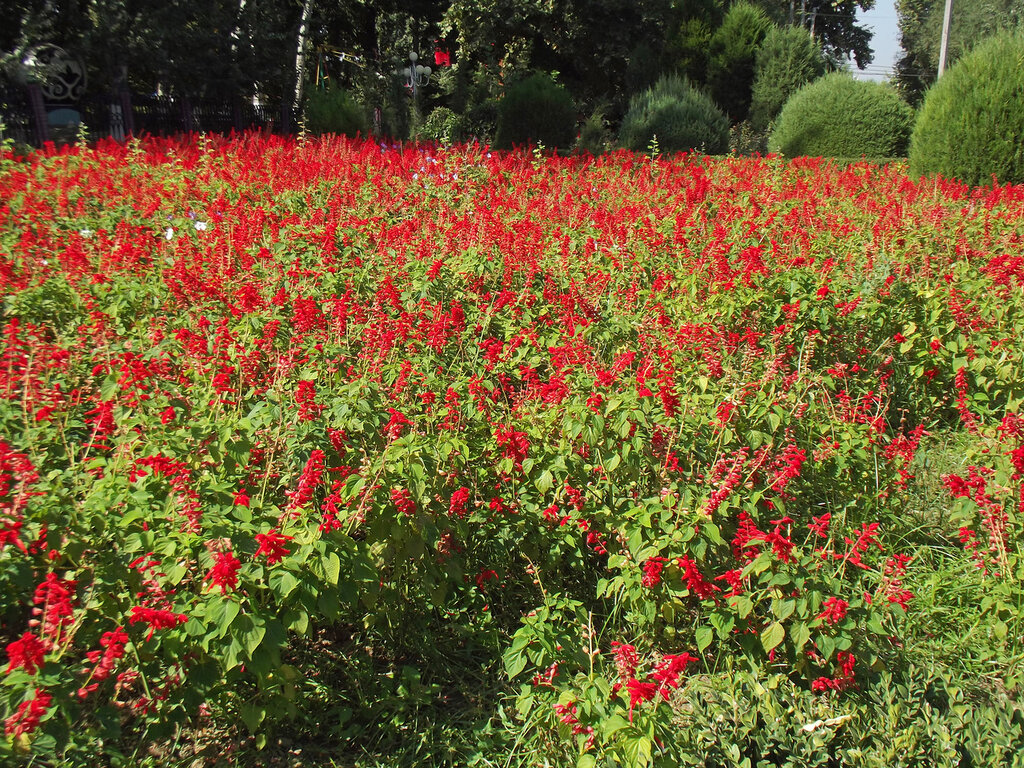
300, 50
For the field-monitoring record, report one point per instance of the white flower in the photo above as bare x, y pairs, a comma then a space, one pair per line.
169, 233
85, 232
200, 225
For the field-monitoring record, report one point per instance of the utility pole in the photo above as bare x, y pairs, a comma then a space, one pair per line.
946, 17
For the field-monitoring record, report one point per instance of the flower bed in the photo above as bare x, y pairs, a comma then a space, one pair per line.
288, 427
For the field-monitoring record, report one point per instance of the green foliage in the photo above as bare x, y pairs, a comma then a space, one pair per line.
594, 135
682, 117
644, 67
837, 116
334, 110
691, 47
443, 126
788, 59
457, 457
760, 716
536, 110
972, 120
921, 33
744, 139
732, 57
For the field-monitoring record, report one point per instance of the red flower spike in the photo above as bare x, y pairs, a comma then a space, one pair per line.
28, 653
638, 693
224, 573
26, 719
272, 545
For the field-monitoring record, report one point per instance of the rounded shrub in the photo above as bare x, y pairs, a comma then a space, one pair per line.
334, 110
837, 116
443, 126
972, 122
536, 110
680, 116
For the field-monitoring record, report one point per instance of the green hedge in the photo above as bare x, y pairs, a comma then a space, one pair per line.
536, 110
334, 110
971, 125
837, 116
681, 117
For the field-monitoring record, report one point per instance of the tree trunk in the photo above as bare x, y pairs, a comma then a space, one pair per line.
300, 50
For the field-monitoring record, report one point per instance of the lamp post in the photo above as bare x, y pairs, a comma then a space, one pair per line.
415, 75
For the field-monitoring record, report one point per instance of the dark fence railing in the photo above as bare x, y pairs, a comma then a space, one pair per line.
28, 119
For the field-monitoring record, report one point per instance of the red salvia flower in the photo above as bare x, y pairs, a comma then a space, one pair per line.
638, 693
694, 579
272, 545
396, 424
514, 445
224, 573
457, 506
156, 618
53, 607
26, 719
652, 571
835, 610
669, 670
113, 648
626, 659
403, 501
28, 652
311, 478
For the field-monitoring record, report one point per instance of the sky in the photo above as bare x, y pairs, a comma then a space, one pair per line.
883, 21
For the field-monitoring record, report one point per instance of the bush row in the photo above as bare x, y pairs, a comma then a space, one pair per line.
968, 127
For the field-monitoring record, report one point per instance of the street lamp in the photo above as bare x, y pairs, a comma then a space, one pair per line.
415, 75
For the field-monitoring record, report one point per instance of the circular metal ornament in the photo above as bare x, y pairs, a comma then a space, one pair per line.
60, 76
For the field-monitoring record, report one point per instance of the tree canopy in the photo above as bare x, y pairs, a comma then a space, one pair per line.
602, 51
921, 32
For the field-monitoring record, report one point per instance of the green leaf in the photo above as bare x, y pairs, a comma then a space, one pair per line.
743, 605
772, 635
300, 624
283, 583
723, 625
638, 751
613, 724
801, 634
826, 645
515, 663
252, 639
703, 637
783, 608
332, 567
545, 481
230, 611
252, 715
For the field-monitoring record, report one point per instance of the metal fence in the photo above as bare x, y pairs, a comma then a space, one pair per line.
28, 119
